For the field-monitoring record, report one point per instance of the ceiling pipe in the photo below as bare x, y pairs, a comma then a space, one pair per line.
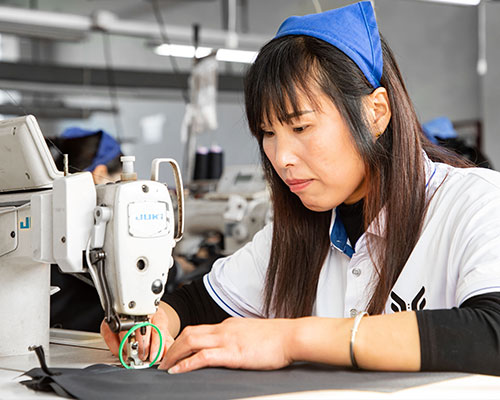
43, 24
71, 27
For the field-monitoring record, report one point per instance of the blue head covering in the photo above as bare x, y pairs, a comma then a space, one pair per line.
108, 148
352, 29
441, 128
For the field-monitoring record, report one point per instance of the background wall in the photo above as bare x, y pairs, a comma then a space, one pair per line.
490, 88
436, 47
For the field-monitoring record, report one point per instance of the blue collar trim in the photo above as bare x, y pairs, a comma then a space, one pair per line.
429, 181
338, 237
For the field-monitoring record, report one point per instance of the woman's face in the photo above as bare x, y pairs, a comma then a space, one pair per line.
314, 154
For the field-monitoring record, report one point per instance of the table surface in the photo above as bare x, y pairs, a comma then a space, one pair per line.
80, 349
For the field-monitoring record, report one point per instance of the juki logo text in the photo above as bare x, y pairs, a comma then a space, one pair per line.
149, 217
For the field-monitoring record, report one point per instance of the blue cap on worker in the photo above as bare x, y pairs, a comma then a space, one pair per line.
439, 128
108, 148
352, 29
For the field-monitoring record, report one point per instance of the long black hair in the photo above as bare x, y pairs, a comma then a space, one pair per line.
288, 68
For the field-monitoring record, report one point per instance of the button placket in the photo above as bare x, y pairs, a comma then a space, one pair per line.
357, 281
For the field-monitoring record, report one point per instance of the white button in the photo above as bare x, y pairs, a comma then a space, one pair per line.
353, 312
356, 272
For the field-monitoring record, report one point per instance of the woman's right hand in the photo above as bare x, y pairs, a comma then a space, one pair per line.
149, 343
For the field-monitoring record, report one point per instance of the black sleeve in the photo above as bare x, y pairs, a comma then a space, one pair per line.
462, 339
194, 305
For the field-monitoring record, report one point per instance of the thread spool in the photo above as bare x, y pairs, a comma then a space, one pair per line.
201, 164
215, 162
128, 173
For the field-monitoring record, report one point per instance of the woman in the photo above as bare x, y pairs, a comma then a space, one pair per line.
367, 219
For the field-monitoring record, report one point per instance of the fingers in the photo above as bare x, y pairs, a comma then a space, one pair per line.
149, 343
215, 357
113, 340
191, 340
237, 343
110, 338
167, 341
160, 319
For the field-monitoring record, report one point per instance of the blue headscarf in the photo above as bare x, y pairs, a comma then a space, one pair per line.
108, 148
352, 29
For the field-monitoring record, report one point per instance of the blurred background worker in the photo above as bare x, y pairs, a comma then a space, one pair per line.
88, 150
442, 132
76, 305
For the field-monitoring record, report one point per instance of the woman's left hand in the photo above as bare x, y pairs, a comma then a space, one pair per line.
235, 343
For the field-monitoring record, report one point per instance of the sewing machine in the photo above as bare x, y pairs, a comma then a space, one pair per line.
238, 208
121, 233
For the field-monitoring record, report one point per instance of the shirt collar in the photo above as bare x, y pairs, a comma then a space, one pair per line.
338, 234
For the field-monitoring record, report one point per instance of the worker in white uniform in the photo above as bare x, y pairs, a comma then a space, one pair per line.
384, 251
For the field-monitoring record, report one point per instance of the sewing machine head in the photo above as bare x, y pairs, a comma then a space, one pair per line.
130, 249
126, 235
122, 233
134, 233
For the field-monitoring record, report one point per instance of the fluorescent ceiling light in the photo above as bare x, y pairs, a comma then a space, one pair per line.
242, 56
457, 2
183, 51
186, 51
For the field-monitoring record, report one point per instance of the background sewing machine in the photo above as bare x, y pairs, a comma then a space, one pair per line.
121, 233
237, 209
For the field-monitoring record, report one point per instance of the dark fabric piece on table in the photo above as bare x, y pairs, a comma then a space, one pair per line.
114, 383
352, 218
462, 339
195, 306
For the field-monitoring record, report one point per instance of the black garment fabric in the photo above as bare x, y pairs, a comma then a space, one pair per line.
195, 306
462, 339
106, 382
352, 218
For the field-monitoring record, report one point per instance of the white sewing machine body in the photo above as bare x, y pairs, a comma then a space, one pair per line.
24, 293
140, 232
121, 233
26, 167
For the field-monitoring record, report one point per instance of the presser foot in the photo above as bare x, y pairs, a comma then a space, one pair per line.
133, 354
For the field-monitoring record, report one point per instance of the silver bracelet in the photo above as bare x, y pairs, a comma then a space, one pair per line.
354, 330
